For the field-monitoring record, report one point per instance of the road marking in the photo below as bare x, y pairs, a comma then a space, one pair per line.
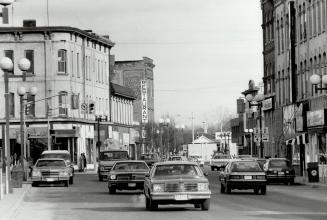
268, 212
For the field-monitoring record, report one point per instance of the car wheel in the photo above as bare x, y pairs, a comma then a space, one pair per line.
197, 205
71, 180
263, 190
100, 178
222, 188
292, 182
66, 183
205, 205
228, 189
112, 190
153, 205
35, 184
147, 203
256, 190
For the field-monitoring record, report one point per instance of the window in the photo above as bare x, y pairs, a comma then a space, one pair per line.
63, 110
319, 17
323, 5
11, 105
62, 61
86, 68
304, 23
29, 54
10, 54
30, 108
77, 66
72, 63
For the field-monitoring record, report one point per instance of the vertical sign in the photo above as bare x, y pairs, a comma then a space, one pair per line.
144, 97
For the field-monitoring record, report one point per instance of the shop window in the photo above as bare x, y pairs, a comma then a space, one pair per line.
322, 148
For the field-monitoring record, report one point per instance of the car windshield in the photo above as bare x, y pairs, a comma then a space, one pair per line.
148, 157
222, 157
176, 158
177, 170
50, 163
245, 166
130, 166
279, 163
114, 155
56, 155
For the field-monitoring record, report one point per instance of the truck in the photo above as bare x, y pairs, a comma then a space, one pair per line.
220, 161
110, 152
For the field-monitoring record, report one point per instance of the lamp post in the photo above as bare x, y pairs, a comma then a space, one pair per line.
316, 79
257, 102
7, 65
98, 119
21, 92
165, 122
250, 131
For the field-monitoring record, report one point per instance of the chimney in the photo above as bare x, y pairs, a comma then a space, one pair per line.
29, 23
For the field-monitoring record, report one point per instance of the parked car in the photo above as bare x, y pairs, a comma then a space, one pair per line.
176, 182
150, 158
127, 175
243, 174
107, 159
219, 162
279, 170
61, 154
51, 170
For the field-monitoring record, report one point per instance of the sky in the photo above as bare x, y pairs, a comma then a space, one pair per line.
205, 51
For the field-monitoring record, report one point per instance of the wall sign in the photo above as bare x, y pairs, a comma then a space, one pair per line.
267, 104
144, 97
316, 118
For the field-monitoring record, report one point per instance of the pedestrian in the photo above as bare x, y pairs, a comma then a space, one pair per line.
84, 158
81, 162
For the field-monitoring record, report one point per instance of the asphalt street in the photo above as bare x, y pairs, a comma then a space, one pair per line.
89, 199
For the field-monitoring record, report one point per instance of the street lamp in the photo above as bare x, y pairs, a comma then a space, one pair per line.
7, 65
21, 92
180, 127
316, 79
257, 102
250, 132
98, 119
165, 123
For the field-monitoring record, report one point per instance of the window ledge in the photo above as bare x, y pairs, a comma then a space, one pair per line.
63, 74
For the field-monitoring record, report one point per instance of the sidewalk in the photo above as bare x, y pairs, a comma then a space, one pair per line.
304, 181
11, 202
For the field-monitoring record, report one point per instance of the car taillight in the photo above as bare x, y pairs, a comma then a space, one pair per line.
261, 177
234, 177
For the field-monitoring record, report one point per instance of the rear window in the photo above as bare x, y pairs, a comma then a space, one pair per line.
59, 156
222, 157
245, 166
114, 155
148, 157
128, 166
50, 163
177, 170
279, 163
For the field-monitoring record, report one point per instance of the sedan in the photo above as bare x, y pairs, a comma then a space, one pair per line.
51, 170
127, 175
176, 182
279, 170
243, 174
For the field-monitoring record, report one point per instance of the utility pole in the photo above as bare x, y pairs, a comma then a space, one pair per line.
192, 118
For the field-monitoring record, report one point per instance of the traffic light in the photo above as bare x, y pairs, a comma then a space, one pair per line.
91, 108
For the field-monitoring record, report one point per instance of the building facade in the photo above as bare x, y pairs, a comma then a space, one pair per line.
70, 68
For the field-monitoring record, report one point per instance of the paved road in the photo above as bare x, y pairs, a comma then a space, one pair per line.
89, 199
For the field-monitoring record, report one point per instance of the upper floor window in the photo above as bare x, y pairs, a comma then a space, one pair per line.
62, 61
62, 101
77, 66
30, 108
29, 54
11, 104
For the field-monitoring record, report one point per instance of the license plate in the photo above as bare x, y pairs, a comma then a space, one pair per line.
248, 177
50, 179
281, 173
131, 184
181, 197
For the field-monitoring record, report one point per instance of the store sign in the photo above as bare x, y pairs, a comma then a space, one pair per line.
316, 118
299, 123
267, 104
144, 97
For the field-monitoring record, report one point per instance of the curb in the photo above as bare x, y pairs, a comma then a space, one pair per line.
12, 210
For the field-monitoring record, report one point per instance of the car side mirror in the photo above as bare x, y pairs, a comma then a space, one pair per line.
205, 174
147, 175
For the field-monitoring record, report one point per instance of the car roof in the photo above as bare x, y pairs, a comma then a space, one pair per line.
51, 159
130, 161
177, 163
278, 159
55, 152
243, 160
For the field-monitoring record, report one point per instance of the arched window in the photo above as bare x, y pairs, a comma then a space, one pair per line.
62, 61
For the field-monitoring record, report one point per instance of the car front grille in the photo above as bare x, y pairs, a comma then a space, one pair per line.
181, 187
49, 173
131, 177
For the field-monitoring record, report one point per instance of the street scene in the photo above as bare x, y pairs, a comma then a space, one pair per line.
166, 109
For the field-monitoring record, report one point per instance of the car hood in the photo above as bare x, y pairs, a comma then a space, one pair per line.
179, 179
108, 163
128, 172
50, 168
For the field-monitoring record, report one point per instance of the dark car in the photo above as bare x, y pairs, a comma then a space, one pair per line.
279, 170
127, 175
176, 182
243, 174
150, 159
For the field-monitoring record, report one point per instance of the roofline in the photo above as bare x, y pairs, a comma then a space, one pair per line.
67, 29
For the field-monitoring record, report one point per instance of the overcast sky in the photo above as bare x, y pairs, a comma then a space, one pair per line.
205, 51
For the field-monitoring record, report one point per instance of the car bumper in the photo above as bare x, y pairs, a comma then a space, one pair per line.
49, 179
249, 184
104, 174
219, 165
130, 185
171, 197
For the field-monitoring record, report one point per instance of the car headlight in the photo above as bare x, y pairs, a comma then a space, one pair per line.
63, 173
36, 173
113, 177
158, 187
101, 168
287, 171
203, 186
